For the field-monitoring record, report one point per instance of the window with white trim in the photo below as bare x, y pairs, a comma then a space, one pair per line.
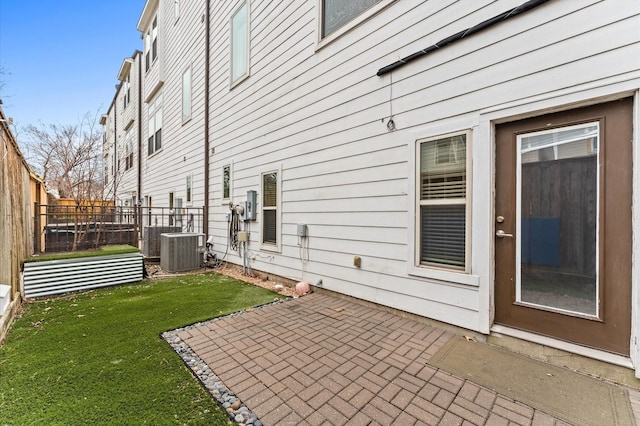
270, 208
443, 202
126, 97
151, 44
155, 125
337, 13
128, 151
240, 43
189, 188
226, 182
186, 95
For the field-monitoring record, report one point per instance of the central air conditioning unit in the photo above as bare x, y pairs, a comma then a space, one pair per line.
151, 239
181, 252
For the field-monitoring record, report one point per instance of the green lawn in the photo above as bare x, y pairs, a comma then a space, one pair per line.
97, 357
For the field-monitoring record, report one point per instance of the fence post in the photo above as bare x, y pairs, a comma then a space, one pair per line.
36, 227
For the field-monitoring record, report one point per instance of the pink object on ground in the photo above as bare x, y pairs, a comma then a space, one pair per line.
302, 288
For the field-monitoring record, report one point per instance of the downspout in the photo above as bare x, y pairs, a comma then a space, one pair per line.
462, 34
115, 146
139, 119
205, 225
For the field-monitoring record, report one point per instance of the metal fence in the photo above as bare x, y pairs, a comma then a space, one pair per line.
81, 227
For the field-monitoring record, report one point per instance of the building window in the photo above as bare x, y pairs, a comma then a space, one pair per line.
270, 208
189, 188
186, 94
240, 43
128, 154
443, 194
126, 97
155, 125
176, 9
151, 44
337, 13
226, 182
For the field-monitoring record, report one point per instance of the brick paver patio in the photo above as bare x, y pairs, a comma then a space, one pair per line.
325, 360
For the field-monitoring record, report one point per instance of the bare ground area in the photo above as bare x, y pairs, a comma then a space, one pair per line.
280, 286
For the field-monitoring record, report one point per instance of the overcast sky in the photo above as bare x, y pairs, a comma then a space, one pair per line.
60, 59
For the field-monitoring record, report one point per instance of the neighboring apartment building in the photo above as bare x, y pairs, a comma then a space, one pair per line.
122, 130
416, 154
173, 108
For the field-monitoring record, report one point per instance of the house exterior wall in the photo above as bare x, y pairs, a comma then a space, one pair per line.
109, 138
316, 112
181, 48
127, 125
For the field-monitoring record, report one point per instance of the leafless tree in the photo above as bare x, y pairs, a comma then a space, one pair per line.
69, 159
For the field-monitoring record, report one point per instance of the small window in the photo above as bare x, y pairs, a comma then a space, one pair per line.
189, 188
226, 182
186, 95
151, 44
240, 43
154, 39
129, 154
443, 193
155, 125
270, 208
176, 9
337, 13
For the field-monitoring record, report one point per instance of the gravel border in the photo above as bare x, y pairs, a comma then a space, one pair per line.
228, 401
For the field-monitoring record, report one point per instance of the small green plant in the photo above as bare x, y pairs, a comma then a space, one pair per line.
97, 357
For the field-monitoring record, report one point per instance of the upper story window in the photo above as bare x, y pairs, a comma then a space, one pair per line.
155, 125
337, 13
443, 202
151, 44
126, 98
240, 44
176, 9
186, 94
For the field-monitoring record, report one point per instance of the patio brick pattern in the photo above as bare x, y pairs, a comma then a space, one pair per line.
326, 360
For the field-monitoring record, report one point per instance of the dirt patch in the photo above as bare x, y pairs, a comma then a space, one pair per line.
281, 286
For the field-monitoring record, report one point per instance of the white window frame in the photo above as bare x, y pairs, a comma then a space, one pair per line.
187, 91
365, 15
189, 189
433, 270
225, 200
237, 79
154, 124
127, 90
151, 38
267, 245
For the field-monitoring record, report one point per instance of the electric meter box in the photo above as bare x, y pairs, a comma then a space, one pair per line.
250, 210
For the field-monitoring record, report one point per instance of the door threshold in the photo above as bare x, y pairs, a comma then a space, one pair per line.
498, 331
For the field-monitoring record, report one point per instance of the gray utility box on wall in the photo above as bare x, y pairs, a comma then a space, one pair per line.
181, 251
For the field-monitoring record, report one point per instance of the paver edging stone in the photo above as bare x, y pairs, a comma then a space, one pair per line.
236, 410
